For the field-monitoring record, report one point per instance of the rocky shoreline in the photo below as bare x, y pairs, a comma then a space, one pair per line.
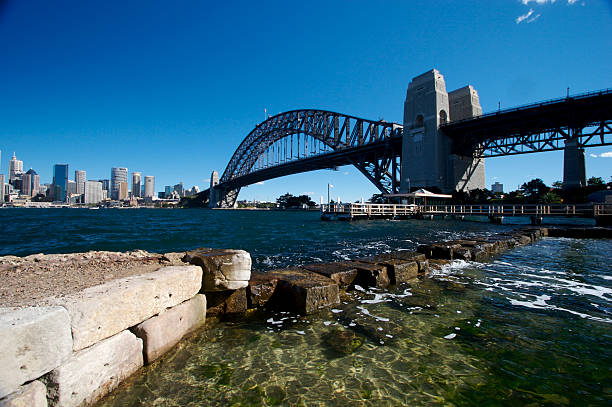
73, 326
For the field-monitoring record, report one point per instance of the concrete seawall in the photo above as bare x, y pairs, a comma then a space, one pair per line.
74, 347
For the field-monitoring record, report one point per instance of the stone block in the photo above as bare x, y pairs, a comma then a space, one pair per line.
398, 270
342, 273
94, 372
227, 302
438, 250
371, 275
33, 394
33, 341
160, 333
224, 269
261, 288
462, 253
105, 310
420, 258
303, 291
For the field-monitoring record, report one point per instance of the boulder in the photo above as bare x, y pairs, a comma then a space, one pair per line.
342, 273
224, 269
94, 372
102, 311
33, 341
303, 291
160, 333
33, 394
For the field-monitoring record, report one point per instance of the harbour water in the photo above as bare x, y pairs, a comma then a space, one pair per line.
531, 327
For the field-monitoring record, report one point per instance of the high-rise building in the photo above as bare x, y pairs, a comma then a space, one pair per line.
123, 191
1, 189
118, 175
149, 186
497, 188
105, 186
80, 177
60, 182
34, 182
136, 184
15, 168
93, 192
26, 184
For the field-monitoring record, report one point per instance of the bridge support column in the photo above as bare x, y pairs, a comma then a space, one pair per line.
214, 198
574, 170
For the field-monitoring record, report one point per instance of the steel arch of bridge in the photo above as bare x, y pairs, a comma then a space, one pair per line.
304, 140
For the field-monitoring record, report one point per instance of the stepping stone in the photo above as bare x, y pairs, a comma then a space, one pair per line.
303, 291
342, 273
371, 275
261, 288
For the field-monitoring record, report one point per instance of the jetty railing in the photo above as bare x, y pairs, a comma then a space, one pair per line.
352, 210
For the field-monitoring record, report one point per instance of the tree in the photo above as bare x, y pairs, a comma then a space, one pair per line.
283, 200
290, 201
558, 184
377, 199
534, 188
595, 181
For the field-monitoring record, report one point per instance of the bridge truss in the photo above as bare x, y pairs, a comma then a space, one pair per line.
305, 140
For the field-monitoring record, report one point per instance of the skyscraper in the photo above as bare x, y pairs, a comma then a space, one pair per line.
34, 182
15, 168
136, 184
80, 177
93, 192
118, 175
123, 191
60, 181
149, 186
1, 189
26, 185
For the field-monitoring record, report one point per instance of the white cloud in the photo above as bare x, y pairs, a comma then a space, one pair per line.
345, 173
524, 17
259, 183
607, 154
207, 180
526, 2
307, 193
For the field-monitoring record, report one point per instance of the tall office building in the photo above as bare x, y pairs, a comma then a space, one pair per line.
93, 192
118, 175
149, 186
123, 191
1, 188
60, 182
34, 182
26, 184
80, 177
15, 168
105, 186
497, 188
136, 184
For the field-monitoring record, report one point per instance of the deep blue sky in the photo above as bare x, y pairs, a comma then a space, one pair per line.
172, 88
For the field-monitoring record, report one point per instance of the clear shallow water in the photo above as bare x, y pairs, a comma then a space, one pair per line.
531, 327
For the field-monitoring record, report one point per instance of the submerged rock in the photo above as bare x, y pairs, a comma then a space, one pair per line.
343, 341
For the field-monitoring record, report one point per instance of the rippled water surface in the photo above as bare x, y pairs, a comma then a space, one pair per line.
531, 327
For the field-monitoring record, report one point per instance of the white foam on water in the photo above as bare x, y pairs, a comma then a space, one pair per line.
365, 311
336, 311
450, 336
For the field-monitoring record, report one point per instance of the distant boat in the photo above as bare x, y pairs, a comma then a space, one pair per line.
94, 207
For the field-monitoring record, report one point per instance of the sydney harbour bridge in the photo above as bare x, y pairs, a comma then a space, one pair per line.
441, 143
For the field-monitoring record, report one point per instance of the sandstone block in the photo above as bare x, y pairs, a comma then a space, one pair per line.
462, 253
33, 341
261, 288
371, 275
33, 394
304, 291
94, 372
227, 302
438, 250
160, 333
398, 270
342, 273
105, 310
224, 269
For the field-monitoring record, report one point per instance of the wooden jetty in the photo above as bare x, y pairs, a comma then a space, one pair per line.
602, 213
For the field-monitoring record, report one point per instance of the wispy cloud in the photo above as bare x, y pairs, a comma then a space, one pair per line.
607, 154
525, 16
530, 17
259, 183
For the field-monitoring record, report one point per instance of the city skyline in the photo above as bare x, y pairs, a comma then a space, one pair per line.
188, 88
